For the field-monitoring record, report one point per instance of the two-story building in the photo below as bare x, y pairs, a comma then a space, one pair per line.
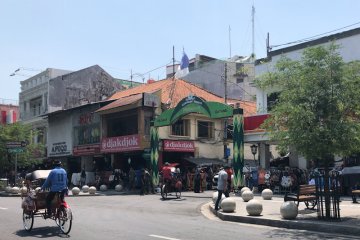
349, 51
193, 138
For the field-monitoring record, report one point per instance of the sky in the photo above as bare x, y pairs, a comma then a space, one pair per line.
138, 36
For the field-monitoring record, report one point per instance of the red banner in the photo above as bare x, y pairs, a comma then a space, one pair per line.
179, 146
85, 150
120, 144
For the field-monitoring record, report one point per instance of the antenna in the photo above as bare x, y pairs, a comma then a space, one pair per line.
253, 32
230, 40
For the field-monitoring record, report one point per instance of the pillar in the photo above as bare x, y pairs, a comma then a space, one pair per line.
238, 147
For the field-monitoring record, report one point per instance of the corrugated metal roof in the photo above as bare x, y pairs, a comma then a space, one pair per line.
122, 102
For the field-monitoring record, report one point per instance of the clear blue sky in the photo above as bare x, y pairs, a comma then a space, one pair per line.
139, 35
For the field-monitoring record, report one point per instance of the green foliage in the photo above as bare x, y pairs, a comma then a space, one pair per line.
318, 108
14, 133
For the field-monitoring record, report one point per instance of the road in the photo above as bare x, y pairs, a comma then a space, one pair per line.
141, 217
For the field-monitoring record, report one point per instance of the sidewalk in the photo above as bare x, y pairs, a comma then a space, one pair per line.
306, 219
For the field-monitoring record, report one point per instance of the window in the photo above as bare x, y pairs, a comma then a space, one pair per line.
272, 99
239, 80
181, 128
205, 129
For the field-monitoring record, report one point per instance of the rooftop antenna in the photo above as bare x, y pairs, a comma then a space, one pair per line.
230, 40
253, 32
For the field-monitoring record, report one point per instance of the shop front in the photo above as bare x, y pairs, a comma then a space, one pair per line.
177, 151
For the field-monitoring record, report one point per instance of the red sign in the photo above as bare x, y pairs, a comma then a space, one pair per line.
85, 150
179, 146
121, 144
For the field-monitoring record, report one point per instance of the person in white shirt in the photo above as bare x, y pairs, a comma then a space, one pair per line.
222, 186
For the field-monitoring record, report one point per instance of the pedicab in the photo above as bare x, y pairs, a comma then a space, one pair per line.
34, 204
173, 185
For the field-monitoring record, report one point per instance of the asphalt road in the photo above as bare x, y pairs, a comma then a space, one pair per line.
141, 217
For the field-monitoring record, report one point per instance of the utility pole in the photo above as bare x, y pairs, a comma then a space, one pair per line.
225, 82
131, 77
225, 121
173, 61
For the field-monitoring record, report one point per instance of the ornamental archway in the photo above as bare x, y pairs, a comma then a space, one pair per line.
214, 110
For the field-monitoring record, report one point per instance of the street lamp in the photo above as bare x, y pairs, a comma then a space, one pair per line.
254, 150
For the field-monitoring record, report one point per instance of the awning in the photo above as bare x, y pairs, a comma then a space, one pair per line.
205, 161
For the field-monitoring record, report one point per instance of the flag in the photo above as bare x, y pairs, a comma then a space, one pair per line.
183, 69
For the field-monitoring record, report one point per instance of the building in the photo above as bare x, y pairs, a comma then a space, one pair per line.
349, 50
209, 73
9, 111
192, 139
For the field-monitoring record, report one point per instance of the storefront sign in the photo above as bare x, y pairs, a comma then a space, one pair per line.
121, 144
59, 149
86, 150
179, 146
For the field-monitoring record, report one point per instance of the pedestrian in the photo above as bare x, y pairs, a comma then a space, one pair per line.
222, 186
131, 179
355, 187
142, 182
197, 181
82, 177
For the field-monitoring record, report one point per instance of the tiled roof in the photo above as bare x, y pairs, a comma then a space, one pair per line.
174, 90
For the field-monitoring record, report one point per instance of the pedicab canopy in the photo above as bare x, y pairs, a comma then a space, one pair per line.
194, 104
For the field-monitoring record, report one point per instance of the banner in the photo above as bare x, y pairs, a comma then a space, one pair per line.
238, 147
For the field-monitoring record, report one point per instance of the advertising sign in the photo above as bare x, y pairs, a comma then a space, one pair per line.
59, 149
179, 146
121, 144
86, 150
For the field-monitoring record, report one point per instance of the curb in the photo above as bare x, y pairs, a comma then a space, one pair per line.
80, 195
290, 224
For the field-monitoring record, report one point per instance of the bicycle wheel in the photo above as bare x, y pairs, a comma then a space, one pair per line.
164, 191
28, 220
64, 219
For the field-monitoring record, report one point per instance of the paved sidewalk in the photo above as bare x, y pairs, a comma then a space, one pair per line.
306, 219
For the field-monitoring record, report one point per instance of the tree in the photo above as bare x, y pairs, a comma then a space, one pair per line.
318, 107
13, 133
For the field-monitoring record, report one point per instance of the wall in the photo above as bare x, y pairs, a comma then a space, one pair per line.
88, 85
349, 50
60, 135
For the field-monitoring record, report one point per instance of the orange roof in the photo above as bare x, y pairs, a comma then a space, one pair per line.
174, 90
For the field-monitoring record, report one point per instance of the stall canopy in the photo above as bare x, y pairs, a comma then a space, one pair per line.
205, 161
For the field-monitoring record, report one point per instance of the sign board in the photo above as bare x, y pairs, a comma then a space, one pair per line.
15, 144
179, 146
150, 100
121, 143
16, 150
85, 150
59, 149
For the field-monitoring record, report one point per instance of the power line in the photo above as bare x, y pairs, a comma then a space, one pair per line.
315, 36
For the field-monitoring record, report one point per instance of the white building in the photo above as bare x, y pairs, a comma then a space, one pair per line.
349, 50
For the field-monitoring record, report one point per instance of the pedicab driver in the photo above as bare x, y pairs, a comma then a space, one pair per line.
57, 181
166, 172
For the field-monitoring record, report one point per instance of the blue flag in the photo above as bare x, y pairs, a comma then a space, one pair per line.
183, 69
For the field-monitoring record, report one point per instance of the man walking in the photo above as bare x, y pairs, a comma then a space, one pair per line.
222, 186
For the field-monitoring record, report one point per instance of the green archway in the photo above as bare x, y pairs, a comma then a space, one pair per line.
215, 110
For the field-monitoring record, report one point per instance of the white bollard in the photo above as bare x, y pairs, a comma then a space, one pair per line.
254, 207
289, 210
247, 195
267, 194
228, 204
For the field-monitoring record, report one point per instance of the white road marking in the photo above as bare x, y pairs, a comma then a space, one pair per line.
163, 237
1, 208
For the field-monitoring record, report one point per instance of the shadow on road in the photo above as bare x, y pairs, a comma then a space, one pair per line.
42, 232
